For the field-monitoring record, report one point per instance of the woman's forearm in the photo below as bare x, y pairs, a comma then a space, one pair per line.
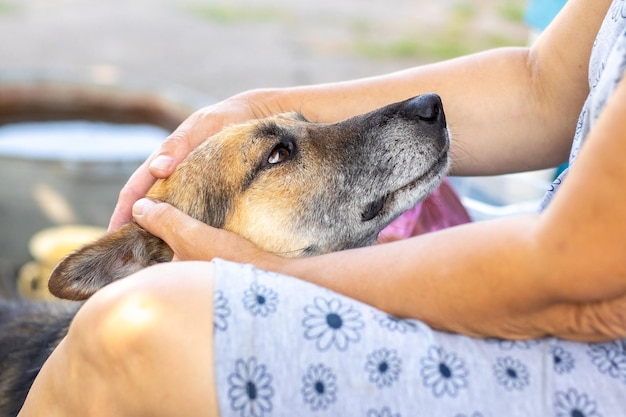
476, 279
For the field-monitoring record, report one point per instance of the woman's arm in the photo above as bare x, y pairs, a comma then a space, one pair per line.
509, 109
558, 273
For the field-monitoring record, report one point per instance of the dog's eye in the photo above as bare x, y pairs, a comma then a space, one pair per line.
280, 153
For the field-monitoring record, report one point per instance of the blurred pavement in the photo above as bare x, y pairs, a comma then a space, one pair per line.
219, 48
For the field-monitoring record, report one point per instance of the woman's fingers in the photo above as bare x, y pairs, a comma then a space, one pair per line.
189, 238
173, 226
192, 132
197, 128
136, 187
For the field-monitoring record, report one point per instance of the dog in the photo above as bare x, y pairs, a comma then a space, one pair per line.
291, 186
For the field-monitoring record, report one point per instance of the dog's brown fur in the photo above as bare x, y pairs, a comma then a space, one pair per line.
290, 186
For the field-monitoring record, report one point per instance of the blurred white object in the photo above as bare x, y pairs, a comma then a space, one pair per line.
503, 195
64, 172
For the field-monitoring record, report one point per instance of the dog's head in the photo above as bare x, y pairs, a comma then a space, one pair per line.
291, 186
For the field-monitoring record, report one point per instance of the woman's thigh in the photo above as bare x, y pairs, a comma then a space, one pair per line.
284, 347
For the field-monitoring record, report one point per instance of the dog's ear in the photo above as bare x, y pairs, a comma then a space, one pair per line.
114, 256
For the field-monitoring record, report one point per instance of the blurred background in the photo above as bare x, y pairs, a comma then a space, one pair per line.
221, 47
88, 88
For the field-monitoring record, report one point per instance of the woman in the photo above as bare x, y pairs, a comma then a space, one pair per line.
221, 338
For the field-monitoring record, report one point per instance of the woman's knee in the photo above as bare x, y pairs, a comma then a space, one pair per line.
150, 306
161, 315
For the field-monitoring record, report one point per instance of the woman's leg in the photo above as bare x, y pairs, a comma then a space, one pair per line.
173, 339
141, 346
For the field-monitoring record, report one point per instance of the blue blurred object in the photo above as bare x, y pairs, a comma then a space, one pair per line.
540, 13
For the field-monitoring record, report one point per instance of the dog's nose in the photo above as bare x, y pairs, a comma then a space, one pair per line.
426, 107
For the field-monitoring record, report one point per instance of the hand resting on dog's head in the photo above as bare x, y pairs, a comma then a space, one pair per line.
192, 132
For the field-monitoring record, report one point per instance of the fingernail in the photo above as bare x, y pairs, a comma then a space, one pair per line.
162, 163
141, 205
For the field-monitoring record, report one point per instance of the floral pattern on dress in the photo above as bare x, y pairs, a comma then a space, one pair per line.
383, 412
610, 358
332, 323
395, 324
260, 300
221, 311
573, 404
319, 387
513, 344
511, 373
250, 391
618, 10
562, 360
443, 372
383, 366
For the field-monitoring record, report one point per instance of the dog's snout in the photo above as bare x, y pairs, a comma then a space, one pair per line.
426, 107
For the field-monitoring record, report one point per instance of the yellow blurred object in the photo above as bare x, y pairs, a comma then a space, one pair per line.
48, 247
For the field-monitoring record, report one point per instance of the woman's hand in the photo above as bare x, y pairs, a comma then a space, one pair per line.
193, 131
191, 239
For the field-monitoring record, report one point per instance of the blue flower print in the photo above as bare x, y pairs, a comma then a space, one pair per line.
331, 323
260, 300
619, 11
395, 324
513, 344
573, 404
221, 311
444, 373
383, 366
511, 373
581, 123
384, 412
610, 358
251, 389
562, 360
319, 387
